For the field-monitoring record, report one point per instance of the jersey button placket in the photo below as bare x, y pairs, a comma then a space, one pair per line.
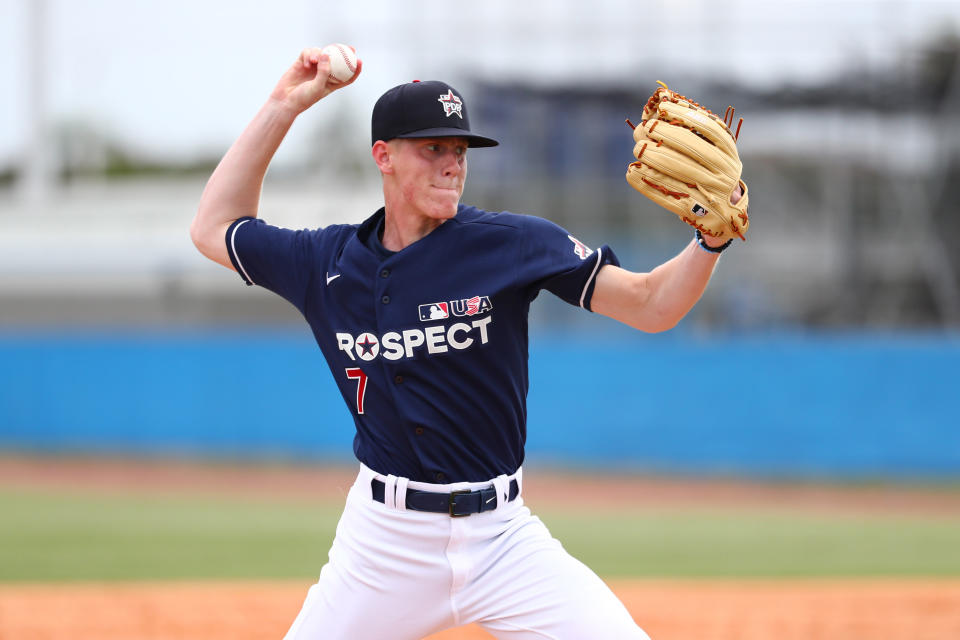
387, 321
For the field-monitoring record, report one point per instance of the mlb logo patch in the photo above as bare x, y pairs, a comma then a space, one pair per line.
434, 311
698, 211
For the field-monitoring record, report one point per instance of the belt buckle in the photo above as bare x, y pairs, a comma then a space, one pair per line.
453, 495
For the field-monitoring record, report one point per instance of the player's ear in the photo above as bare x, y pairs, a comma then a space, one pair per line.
383, 155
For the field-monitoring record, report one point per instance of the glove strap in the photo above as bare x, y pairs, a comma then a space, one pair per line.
715, 250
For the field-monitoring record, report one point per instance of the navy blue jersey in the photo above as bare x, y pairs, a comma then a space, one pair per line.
428, 345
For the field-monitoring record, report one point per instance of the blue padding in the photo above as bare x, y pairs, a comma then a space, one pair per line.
781, 405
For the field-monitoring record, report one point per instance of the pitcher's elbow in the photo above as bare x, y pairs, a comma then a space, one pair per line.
200, 235
656, 323
666, 325
657, 328
196, 235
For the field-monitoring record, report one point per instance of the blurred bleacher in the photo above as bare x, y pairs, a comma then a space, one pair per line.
853, 207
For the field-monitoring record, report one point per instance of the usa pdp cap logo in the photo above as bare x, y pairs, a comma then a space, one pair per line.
429, 109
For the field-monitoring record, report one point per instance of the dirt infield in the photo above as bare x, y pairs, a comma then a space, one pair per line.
701, 610
542, 487
893, 609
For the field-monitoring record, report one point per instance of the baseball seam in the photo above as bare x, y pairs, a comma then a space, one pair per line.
345, 55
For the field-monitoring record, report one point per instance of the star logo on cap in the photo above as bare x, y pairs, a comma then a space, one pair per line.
451, 104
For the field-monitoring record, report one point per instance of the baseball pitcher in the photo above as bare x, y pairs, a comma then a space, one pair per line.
421, 314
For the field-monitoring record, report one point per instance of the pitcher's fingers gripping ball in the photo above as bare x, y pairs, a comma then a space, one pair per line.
687, 162
343, 62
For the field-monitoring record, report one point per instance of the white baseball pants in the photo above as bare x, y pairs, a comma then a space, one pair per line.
395, 574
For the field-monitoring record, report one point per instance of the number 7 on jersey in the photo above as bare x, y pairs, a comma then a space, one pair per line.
356, 373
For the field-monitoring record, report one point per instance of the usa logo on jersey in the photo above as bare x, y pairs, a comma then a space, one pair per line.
463, 307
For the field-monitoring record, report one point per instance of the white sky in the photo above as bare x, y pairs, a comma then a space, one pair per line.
177, 78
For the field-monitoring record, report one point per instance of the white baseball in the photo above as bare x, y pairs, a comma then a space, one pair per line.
343, 62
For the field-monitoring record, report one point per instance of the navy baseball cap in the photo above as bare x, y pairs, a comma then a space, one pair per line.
428, 109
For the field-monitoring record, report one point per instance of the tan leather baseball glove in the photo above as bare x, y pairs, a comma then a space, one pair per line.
687, 161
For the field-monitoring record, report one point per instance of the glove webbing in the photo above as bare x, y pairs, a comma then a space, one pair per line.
675, 97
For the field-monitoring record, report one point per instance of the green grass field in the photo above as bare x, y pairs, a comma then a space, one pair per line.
53, 536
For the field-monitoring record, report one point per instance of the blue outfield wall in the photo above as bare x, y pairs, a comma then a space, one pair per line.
787, 404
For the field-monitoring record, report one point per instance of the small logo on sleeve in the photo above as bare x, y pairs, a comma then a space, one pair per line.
580, 249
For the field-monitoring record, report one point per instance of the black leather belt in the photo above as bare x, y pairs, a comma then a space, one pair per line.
456, 503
